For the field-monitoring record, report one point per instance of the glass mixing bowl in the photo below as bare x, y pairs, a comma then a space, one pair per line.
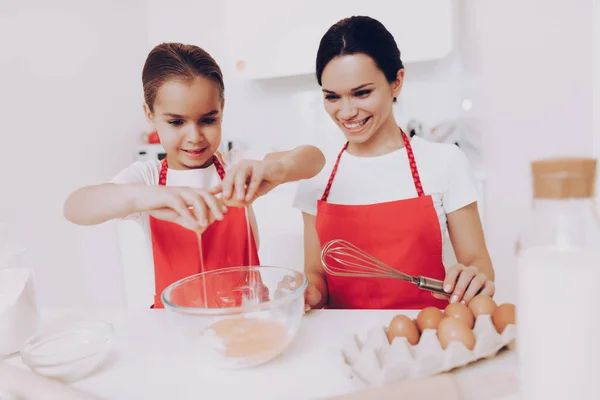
238, 317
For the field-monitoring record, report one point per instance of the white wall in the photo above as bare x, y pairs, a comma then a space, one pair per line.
536, 68
73, 114
70, 113
288, 111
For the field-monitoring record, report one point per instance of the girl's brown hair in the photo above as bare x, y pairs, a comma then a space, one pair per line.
181, 62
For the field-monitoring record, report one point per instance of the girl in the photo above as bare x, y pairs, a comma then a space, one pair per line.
175, 199
394, 197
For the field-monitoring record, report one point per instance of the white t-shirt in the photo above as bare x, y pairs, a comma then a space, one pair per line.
443, 168
147, 173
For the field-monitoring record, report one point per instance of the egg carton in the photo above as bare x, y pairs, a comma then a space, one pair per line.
377, 362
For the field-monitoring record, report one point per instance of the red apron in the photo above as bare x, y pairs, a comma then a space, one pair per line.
224, 244
404, 234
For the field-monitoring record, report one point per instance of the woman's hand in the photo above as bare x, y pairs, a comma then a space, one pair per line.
316, 294
465, 283
468, 242
248, 180
288, 284
194, 209
312, 297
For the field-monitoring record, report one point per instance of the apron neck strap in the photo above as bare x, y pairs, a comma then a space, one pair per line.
335, 168
162, 177
413, 165
219, 167
411, 161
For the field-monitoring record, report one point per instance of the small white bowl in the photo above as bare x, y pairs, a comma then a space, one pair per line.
69, 352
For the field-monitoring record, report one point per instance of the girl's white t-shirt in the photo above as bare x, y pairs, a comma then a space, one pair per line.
444, 170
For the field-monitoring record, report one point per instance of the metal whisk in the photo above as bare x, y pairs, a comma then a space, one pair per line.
351, 261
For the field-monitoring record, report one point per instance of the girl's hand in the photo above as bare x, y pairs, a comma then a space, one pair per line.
250, 179
465, 283
194, 209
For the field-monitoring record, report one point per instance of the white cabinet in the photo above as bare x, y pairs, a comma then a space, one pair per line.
271, 38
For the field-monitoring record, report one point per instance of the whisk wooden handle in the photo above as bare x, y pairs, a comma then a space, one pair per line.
432, 285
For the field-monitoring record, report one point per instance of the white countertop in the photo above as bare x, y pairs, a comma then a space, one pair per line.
148, 362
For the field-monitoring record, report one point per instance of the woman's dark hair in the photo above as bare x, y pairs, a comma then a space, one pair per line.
178, 61
364, 35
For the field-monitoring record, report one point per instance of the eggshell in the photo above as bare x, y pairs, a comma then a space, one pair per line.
461, 313
429, 318
504, 315
234, 202
401, 325
452, 330
482, 305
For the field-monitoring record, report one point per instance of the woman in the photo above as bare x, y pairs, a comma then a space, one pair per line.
394, 197
175, 200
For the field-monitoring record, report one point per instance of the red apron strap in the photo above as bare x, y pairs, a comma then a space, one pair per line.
219, 167
335, 167
411, 160
162, 177
413, 165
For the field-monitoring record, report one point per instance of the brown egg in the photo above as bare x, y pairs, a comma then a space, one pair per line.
429, 318
452, 330
482, 305
460, 312
403, 326
504, 315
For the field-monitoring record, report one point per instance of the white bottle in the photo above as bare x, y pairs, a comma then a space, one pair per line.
558, 269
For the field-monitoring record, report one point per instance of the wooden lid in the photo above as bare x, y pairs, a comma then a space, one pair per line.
562, 178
